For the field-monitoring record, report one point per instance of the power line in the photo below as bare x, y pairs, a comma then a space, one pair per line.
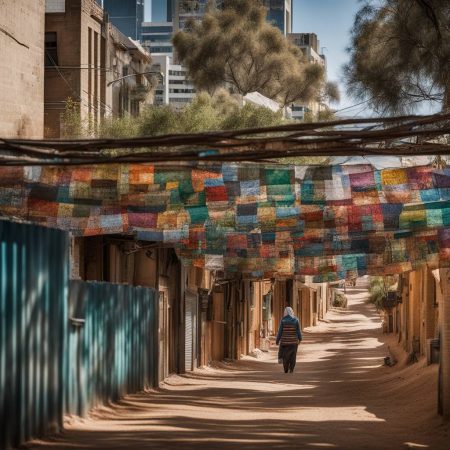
353, 106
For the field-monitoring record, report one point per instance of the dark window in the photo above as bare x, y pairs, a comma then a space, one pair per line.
161, 49
155, 29
51, 49
157, 37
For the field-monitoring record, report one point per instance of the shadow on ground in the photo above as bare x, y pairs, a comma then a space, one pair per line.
339, 397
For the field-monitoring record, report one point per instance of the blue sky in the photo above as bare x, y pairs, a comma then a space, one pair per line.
331, 20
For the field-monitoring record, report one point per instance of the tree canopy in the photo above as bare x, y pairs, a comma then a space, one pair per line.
400, 54
238, 48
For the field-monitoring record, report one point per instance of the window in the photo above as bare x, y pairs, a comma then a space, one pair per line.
180, 100
157, 29
181, 82
55, 6
182, 91
157, 37
161, 49
51, 49
177, 73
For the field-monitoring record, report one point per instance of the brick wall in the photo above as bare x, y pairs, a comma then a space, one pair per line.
22, 68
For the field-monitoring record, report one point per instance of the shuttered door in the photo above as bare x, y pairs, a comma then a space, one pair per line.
191, 331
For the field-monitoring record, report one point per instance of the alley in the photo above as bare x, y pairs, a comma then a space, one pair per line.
339, 397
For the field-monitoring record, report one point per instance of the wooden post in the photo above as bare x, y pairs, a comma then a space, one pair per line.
445, 343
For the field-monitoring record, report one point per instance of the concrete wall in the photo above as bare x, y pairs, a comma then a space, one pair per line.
416, 318
22, 68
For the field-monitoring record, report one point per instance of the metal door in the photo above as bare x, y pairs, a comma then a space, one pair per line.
163, 335
191, 310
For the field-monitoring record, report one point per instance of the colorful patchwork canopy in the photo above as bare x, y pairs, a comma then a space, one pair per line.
329, 222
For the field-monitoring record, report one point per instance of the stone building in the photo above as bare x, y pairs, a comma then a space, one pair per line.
22, 25
92, 63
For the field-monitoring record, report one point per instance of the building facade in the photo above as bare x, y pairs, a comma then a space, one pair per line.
126, 15
175, 89
92, 63
22, 68
309, 44
156, 37
162, 10
279, 14
185, 10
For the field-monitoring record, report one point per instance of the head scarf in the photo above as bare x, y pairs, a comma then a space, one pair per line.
288, 311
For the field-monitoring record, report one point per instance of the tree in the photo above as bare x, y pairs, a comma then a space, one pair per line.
400, 54
221, 111
237, 47
330, 93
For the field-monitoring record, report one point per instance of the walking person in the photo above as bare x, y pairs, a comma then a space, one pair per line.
289, 337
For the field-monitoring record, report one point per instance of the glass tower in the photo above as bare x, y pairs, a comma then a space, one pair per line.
162, 10
126, 15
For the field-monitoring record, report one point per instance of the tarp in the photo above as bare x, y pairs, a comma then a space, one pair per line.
329, 222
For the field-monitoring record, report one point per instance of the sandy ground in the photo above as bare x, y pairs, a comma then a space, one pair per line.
339, 397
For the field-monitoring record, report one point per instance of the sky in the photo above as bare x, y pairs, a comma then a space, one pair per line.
332, 21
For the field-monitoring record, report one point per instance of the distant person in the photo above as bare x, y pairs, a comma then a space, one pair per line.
289, 337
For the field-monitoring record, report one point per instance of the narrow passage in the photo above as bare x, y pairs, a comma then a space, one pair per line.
339, 397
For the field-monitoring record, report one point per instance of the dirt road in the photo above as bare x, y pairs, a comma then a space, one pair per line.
339, 397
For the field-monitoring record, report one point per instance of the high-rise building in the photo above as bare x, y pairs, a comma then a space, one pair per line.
156, 37
162, 10
126, 15
185, 10
279, 14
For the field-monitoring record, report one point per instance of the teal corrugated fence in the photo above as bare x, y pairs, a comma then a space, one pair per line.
112, 343
65, 347
33, 332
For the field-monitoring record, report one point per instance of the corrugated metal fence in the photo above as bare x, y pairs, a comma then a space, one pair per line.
33, 305
112, 343
64, 352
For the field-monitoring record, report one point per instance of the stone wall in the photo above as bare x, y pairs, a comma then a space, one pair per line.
22, 25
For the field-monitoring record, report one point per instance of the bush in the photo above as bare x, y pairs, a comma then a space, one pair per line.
379, 287
340, 301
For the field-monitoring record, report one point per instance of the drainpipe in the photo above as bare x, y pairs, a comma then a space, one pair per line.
445, 344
